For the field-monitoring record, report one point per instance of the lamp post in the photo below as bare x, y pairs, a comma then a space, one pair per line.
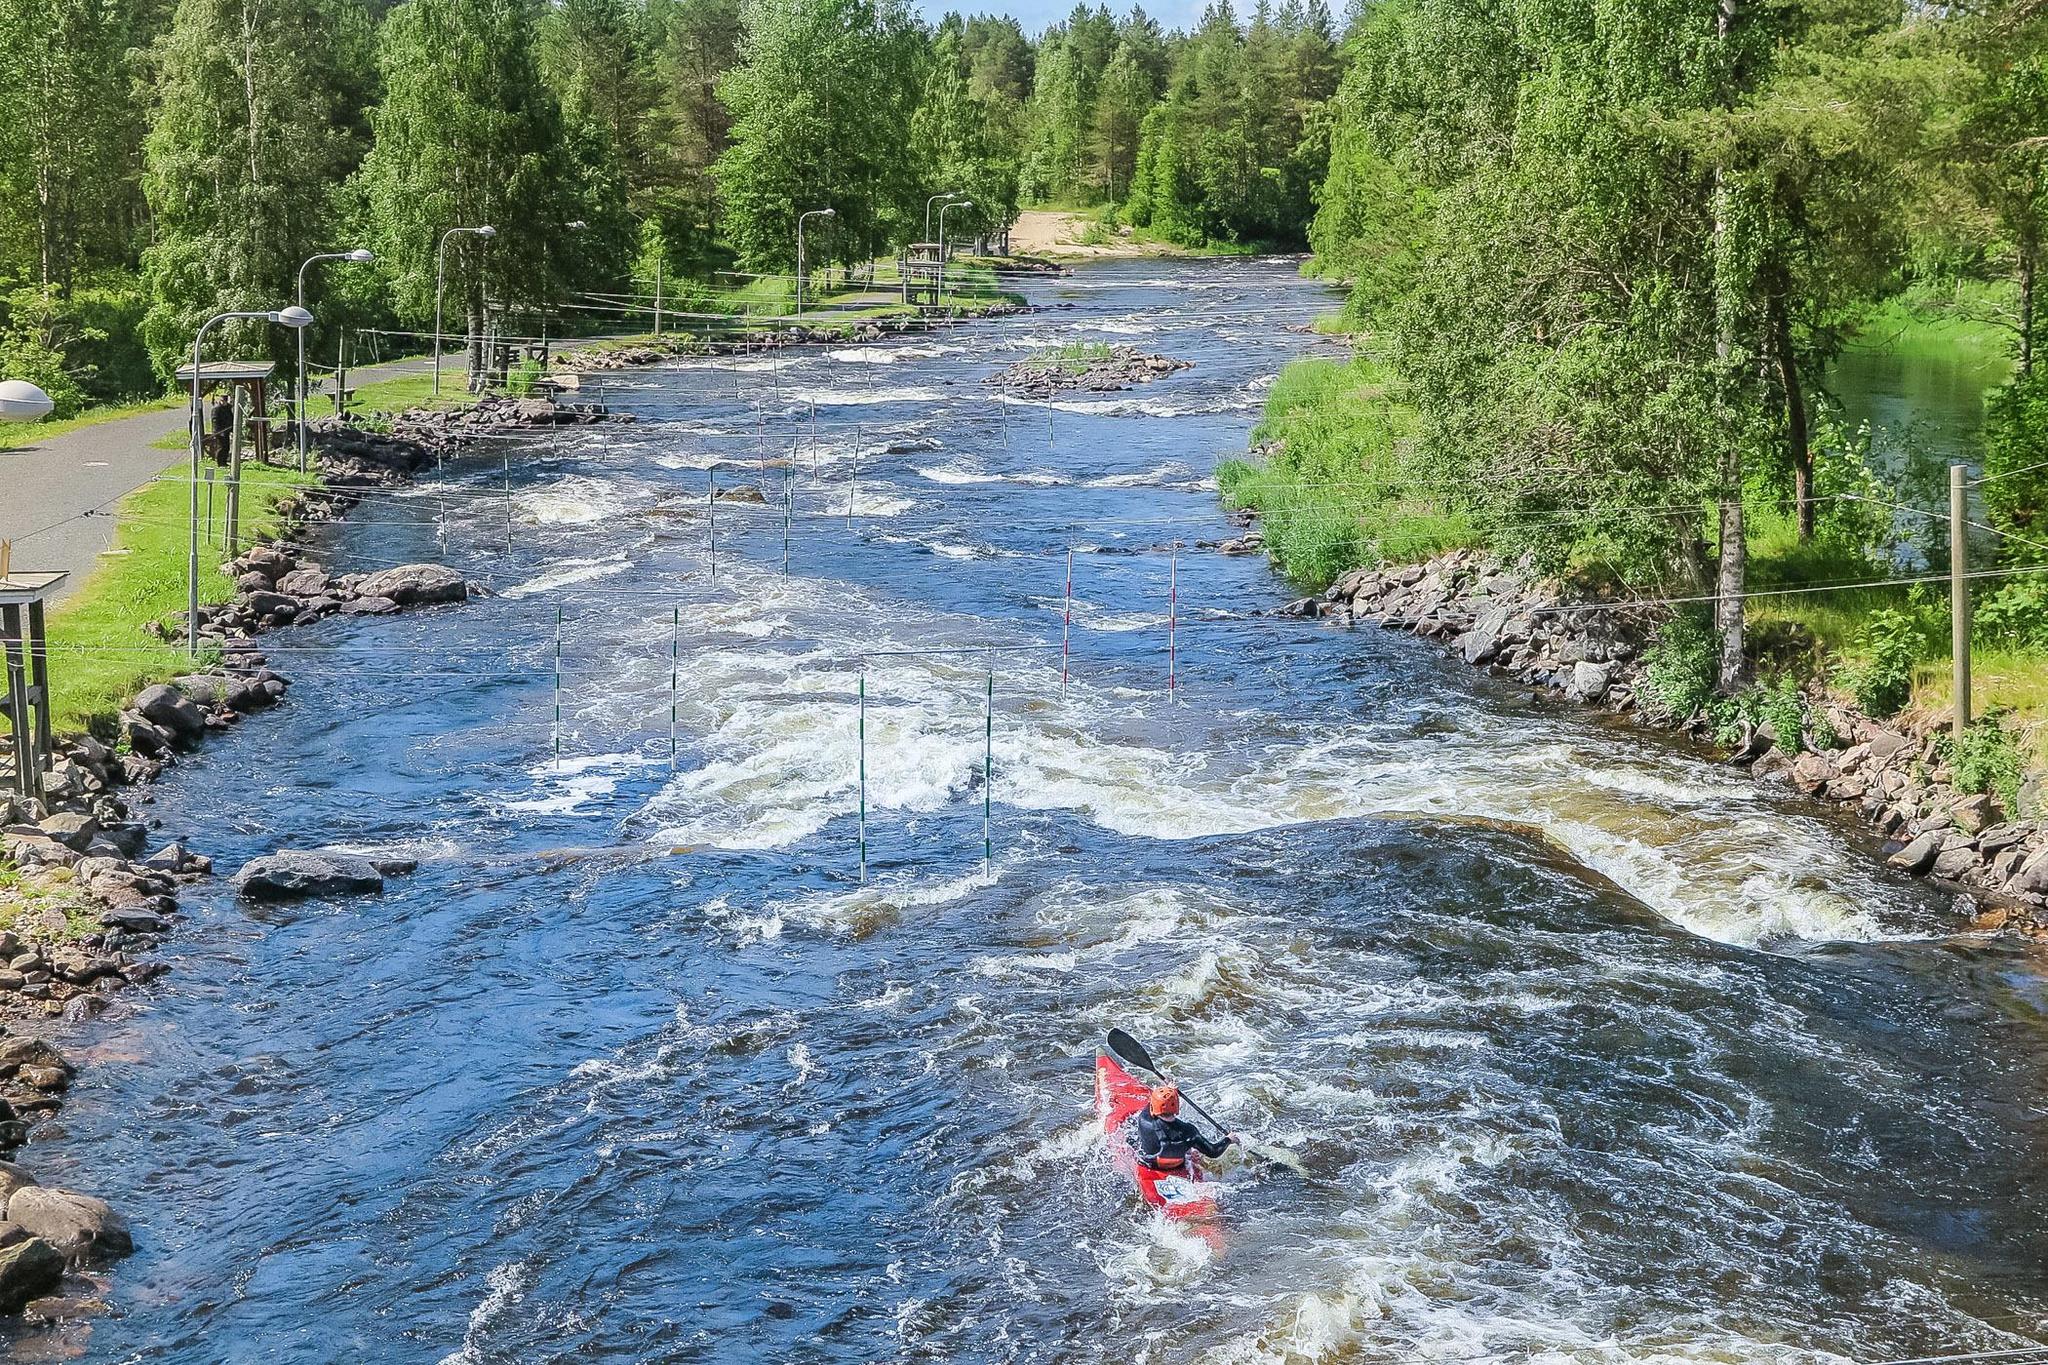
944, 209
949, 194
440, 273
296, 318
361, 257
814, 213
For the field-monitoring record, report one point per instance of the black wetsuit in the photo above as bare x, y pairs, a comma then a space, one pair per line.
1163, 1144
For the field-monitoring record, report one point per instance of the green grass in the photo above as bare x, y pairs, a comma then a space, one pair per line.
13, 436
101, 651
1338, 494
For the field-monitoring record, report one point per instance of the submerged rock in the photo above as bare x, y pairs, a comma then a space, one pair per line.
291, 874
77, 1226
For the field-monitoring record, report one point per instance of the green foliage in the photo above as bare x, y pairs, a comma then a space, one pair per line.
800, 142
1881, 679
521, 378
2014, 616
1678, 667
2016, 467
467, 135
1988, 760
1335, 492
250, 137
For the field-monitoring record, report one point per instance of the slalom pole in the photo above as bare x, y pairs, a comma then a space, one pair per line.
1067, 624
852, 478
788, 498
1172, 616
863, 727
675, 634
558, 688
506, 451
988, 740
711, 514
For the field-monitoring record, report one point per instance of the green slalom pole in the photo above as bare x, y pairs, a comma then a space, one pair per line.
675, 634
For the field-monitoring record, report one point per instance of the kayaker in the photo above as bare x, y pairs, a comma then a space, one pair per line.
1165, 1138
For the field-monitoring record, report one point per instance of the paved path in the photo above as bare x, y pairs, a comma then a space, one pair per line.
60, 493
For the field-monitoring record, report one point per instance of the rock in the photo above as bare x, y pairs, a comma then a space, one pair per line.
310, 581
290, 874
78, 1226
166, 706
414, 584
134, 920
1885, 744
267, 560
1477, 648
1919, 855
1973, 813
1998, 838
368, 606
21, 1052
2033, 876
169, 858
252, 582
1810, 772
70, 828
1953, 861
143, 736
12, 1178
271, 606
1589, 680
49, 1079
206, 689
395, 865
30, 1268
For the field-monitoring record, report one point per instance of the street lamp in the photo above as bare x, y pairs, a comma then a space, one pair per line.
296, 318
361, 257
949, 194
944, 209
814, 213
440, 272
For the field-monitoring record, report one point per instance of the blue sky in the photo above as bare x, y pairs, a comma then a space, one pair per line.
1035, 15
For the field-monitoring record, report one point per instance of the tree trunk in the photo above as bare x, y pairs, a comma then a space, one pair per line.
475, 357
1734, 551
1798, 442
2028, 251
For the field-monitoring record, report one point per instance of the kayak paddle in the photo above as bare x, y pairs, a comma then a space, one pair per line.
1131, 1052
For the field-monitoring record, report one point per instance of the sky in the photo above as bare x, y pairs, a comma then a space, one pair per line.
1037, 15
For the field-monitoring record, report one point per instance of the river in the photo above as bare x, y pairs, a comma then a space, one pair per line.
1595, 1051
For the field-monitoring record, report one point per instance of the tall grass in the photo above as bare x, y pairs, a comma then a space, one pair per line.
1337, 493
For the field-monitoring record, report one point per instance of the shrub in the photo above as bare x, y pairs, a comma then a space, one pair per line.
1679, 666
2015, 616
1987, 760
2016, 465
1882, 680
519, 381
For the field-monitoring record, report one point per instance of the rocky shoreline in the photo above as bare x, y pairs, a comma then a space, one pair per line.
682, 344
1890, 775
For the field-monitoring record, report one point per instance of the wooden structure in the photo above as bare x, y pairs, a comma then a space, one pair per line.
248, 381
26, 702
922, 266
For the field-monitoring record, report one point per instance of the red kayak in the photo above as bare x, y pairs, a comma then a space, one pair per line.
1118, 1098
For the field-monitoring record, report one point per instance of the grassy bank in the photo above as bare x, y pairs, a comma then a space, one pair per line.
101, 649
1335, 491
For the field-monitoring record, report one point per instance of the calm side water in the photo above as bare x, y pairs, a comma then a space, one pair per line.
1594, 1050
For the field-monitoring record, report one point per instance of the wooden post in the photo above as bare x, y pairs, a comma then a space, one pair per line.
28, 776
1959, 594
39, 676
233, 521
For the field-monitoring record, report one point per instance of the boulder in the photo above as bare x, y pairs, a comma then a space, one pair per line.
1973, 813
1810, 772
78, 1226
1953, 861
1589, 680
170, 858
413, 584
368, 606
310, 581
267, 560
1919, 855
207, 689
291, 874
2032, 878
70, 828
143, 736
1886, 744
29, 1269
169, 708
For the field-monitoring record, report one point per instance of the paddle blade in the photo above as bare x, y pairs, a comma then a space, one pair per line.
1130, 1051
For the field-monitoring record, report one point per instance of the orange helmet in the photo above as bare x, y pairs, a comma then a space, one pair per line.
1165, 1101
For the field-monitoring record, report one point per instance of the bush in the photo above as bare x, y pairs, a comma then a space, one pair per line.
1882, 680
2015, 616
519, 381
2016, 466
1679, 666
1988, 760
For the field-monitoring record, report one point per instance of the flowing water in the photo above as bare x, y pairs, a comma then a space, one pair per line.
1594, 1050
